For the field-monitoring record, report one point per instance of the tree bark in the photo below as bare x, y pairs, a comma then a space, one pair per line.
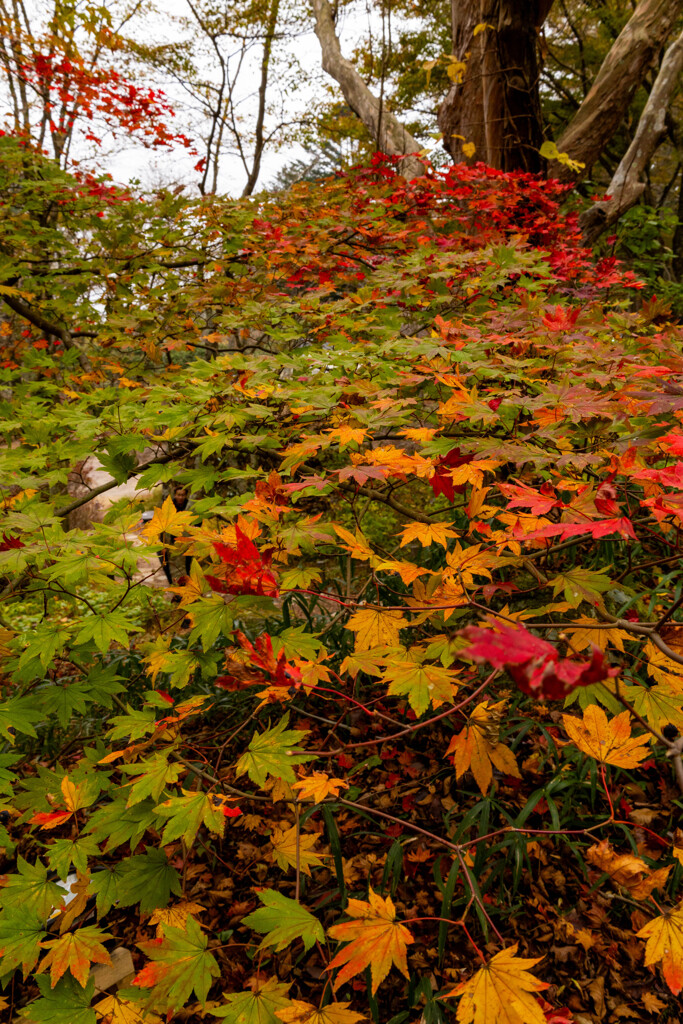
392, 137
496, 106
625, 187
622, 71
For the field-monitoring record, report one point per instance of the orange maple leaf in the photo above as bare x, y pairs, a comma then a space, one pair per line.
74, 952
376, 940
609, 742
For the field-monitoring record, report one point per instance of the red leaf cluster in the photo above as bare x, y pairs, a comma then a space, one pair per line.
534, 664
246, 569
277, 670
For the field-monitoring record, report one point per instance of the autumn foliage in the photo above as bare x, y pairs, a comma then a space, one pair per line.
400, 740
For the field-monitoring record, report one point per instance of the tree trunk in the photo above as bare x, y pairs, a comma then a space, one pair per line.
496, 106
392, 137
623, 70
625, 187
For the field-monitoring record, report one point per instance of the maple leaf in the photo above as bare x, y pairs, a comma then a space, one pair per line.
427, 533
282, 920
259, 1006
288, 847
501, 992
664, 936
74, 952
627, 870
116, 1010
271, 753
334, 1013
477, 746
357, 546
534, 664
187, 813
175, 916
422, 684
609, 742
375, 627
375, 940
21, 935
167, 519
318, 786
180, 963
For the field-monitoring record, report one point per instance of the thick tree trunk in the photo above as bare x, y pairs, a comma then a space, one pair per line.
392, 137
622, 71
625, 188
496, 106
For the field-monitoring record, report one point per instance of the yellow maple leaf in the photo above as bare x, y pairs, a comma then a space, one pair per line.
375, 940
167, 519
663, 669
427, 533
477, 746
664, 936
501, 992
285, 846
114, 1010
609, 742
357, 546
175, 916
303, 1013
375, 627
74, 795
319, 785
586, 633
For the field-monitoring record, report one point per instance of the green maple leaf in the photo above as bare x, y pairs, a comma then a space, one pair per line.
186, 815
270, 753
116, 824
579, 585
63, 853
181, 964
153, 777
106, 629
210, 618
66, 1003
259, 1006
104, 885
20, 938
420, 683
282, 921
148, 879
31, 890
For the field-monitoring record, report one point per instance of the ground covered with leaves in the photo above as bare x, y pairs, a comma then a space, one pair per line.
403, 742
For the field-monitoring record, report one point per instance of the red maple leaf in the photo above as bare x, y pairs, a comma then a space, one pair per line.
534, 664
442, 481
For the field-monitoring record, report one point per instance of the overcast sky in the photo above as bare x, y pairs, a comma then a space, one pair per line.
127, 163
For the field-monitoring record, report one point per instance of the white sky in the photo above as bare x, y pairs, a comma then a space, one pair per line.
162, 167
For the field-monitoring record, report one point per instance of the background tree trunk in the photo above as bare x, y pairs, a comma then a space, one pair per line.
496, 106
623, 70
625, 188
392, 137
